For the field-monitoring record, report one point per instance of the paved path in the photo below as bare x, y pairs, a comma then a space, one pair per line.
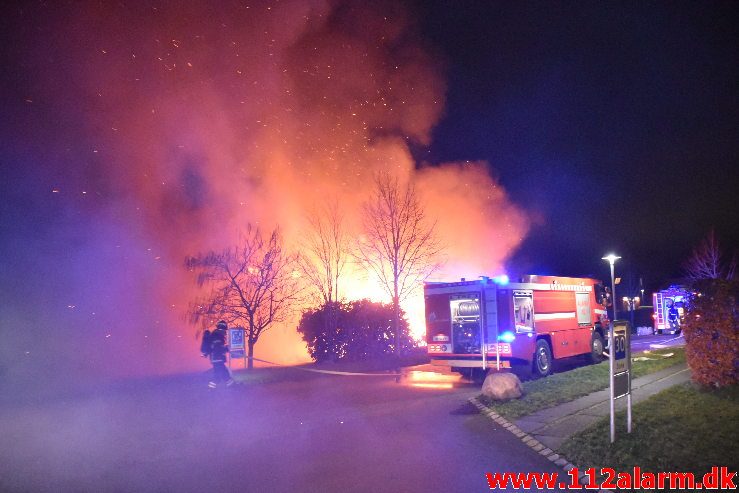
554, 425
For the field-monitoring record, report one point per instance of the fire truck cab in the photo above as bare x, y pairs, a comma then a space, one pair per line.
472, 326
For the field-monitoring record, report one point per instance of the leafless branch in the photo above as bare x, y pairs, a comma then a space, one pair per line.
399, 245
325, 251
706, 261
251, 284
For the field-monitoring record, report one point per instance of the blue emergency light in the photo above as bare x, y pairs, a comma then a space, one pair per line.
507, 336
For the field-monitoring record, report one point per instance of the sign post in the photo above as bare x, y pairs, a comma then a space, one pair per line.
619, 356
236, 347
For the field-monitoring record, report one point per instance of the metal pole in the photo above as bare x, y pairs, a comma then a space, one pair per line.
613, 289
497, 334
611, 352
611, 356
628, 367
612, 346
483, 328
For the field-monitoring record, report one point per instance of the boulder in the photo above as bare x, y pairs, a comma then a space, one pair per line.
502, 386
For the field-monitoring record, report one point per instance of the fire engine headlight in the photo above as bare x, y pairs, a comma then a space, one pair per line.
507, 336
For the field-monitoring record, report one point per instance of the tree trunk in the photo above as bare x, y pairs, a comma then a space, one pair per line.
250, 354
396, 324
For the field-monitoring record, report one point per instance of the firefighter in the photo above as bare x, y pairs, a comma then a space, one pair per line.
673, 317
216, 349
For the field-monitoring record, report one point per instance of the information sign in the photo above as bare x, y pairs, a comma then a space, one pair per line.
236, 346
620, 364
236, 338
620, 384
619, 347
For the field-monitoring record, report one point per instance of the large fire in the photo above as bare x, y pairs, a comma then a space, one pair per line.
200, 118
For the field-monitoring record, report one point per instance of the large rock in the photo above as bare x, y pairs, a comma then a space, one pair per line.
502, 386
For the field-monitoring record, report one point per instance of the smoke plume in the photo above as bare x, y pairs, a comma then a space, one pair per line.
148, 132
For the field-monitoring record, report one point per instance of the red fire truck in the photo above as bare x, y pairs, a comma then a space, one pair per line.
532, 321
669, 309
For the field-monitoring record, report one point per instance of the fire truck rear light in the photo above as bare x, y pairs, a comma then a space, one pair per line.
443, 348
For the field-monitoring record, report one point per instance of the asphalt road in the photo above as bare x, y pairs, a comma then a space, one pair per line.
307, 432
656, 341
318, 433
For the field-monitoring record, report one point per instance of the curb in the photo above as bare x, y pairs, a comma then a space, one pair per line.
529, 440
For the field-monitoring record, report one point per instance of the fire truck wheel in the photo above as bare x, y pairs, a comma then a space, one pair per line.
542, 359
596, 348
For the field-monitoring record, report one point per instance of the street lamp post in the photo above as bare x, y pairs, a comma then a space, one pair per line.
612, 260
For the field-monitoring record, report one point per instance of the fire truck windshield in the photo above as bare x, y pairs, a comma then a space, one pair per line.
523, 310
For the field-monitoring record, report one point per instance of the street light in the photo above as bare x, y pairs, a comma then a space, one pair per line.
611, 350
612, 260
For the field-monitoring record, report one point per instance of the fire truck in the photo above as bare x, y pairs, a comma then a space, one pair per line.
472, 326
669, 309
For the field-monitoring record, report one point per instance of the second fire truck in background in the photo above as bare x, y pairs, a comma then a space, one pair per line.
669, 309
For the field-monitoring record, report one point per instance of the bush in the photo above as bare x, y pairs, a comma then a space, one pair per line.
712, 333
356, 331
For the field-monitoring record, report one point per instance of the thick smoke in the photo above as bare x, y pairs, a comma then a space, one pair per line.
159, 131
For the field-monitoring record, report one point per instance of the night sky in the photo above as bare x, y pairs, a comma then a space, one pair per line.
615, 123
542, 135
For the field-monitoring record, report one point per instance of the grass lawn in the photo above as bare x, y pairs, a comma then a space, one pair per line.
683, 428
567, 386
258, 376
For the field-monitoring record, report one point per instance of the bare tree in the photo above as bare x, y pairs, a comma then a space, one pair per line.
706, 261
252, 284
400, 245
325, 252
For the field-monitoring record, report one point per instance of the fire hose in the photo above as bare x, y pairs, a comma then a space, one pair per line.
328, 372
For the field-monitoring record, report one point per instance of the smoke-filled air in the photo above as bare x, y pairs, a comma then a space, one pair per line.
155, 131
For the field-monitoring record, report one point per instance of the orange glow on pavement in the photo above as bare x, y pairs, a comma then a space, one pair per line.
430, 379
